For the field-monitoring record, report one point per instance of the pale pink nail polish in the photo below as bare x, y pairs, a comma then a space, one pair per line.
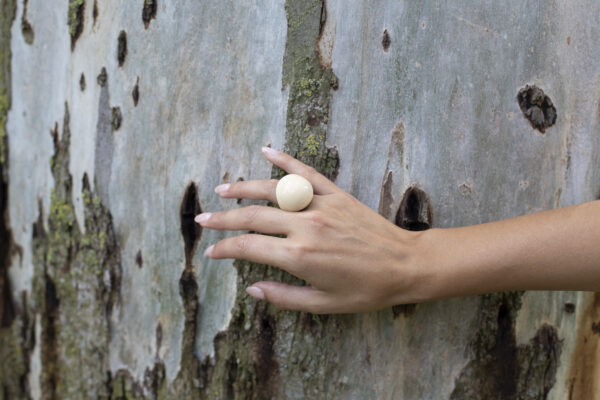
269, 151
222, 188
202, 218
209, 250
255, 292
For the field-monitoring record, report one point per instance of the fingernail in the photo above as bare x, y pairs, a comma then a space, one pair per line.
209, 251
269, 151
202, 218
255, 292
222, 188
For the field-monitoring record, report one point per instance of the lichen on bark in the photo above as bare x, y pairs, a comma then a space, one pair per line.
310, 86
76, 284
75, 19
7, 15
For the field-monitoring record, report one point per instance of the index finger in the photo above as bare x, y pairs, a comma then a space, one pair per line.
320, 183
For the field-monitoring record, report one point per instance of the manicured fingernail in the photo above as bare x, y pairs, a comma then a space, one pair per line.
209, 251
255, 292
269, 151
202, 218
222, 188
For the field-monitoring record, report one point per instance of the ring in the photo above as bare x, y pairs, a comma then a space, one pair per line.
293, 192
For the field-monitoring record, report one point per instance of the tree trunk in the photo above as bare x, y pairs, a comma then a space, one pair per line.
118, 118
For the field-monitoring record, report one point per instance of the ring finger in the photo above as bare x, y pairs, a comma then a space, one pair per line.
260, 249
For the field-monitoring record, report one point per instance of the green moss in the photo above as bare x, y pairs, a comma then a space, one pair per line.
308, 87
312, 145
74, 9
87, 199
13, 359
310, 90
7, 15
75, 17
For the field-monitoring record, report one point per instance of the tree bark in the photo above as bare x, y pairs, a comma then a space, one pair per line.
117, 120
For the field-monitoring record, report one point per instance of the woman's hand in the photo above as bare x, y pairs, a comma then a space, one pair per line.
354, 259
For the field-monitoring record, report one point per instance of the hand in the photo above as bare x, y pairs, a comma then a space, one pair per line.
354, 259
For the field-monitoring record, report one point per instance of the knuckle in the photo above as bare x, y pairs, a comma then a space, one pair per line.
251, 213
317, 220
341, 199
241, 244
298, 252
310, 171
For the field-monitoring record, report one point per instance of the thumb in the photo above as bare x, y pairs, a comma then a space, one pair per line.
290, 297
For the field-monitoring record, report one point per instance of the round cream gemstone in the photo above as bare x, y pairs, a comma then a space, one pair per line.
294, 192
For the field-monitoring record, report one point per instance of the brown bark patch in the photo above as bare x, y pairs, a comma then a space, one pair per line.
7, 311
583, 371
406, 310
326, 38
82, 84
135, 93
386, 40
385, 198
265, 358
116, 118
122, 48
26, 28
537, 107
138, 259
149, 11
102, 77
95, 12
50, 360
500, 369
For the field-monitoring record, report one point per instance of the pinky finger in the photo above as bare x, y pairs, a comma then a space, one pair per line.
290, 297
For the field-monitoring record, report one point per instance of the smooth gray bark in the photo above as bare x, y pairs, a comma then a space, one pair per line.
109, 152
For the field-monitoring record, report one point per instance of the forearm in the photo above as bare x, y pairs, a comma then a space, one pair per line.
550, 250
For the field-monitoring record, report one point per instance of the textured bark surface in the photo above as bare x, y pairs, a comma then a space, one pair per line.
117, 119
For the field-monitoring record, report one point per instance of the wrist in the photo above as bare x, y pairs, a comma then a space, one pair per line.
433, 265
419, 277
473, 260
453, 264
